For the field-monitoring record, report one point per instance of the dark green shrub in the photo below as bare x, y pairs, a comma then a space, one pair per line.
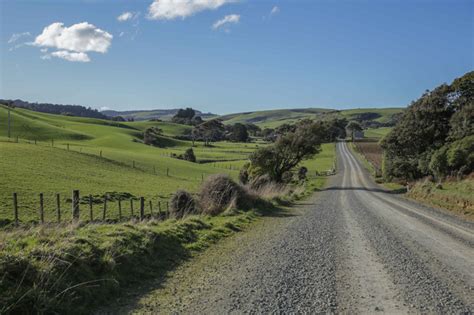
182, 203
189, 155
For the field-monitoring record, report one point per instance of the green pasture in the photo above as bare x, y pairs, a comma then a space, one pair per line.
101, 157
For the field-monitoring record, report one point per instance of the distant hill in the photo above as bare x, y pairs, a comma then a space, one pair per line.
60, 109
369, 117
163, 114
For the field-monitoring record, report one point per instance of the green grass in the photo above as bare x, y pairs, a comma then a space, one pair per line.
73, 267
457, 196
76, 268
377, 133
275, 118
30, 169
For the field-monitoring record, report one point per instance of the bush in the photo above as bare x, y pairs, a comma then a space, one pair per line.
439, 163
302, 173
243, 176
287, 177
219, 192
260, 181
182, 203
189, 155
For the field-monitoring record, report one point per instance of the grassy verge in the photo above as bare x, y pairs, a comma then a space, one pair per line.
456, 196
76, 267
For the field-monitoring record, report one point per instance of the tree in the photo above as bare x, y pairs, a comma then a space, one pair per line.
437, 119
239, 133
151, 135
209, 131
288, 151
189, 155
118, 118
184, 116
353, 126
253, 129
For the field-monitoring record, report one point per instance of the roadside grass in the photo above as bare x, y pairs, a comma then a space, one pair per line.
75, 268
454, 195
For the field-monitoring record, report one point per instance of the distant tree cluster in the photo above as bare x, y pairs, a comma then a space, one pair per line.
151, 136
435, 135
67, 110
293, 144
187, 117
188, 155
335, 128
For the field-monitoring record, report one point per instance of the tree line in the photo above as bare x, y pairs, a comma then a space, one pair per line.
435, 135
59, 109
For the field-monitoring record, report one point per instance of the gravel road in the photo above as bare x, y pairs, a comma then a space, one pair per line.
352, 248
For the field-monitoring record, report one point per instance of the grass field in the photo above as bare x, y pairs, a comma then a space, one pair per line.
127, 167
377, 133
275, 118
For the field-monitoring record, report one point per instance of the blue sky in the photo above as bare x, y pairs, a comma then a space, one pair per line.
332, 54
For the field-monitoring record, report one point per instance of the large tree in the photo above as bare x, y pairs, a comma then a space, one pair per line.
288, 150
209, 131
353, 126
428, 125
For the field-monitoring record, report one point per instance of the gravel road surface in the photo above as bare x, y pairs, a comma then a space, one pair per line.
352, 248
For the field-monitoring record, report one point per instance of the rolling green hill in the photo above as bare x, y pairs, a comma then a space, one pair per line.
101, 156
274, 118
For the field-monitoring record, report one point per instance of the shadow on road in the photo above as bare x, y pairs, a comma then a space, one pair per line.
380, 190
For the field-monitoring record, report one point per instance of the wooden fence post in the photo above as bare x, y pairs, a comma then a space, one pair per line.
100, 153
91, 211
52, 142
75, 205
167, 209
104, 211
41, 208
159, 208
154, 170
67, 145
151, 207
15, 207
167, 171
120, 208
35, 141
202, 177
131, 207
58, 207
142, 208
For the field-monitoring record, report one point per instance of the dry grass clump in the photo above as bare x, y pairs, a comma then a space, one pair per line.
260, 181
182, 203
220, 192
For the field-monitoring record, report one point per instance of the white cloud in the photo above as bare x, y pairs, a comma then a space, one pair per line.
17, 36
71, 56
228, 19
127, 16
275, 10
104, 108
81, 37
73, 42
172, 9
